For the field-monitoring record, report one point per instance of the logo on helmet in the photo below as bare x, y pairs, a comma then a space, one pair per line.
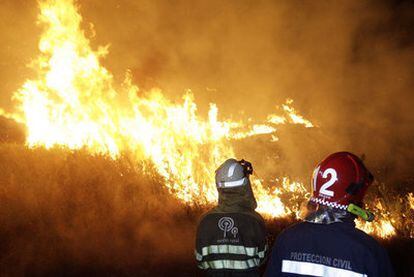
325, 188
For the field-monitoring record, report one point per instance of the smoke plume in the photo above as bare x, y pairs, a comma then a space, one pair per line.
347, 65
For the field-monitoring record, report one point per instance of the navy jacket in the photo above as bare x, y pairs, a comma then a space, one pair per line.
337, 249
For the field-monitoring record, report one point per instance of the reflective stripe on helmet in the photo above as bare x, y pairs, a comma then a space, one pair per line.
329, 204
231, 184
230, 264
231, 170
230, 249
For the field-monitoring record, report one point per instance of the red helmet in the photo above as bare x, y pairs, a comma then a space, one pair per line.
339, 180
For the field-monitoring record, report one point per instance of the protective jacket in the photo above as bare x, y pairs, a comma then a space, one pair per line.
336, 249
231, 238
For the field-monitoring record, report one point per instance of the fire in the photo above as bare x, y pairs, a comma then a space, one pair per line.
270, 202
291, 115
410, 198
75, 102
382, 228
383, 223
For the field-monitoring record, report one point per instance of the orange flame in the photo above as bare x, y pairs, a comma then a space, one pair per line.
383, 224
74, 102
410, 198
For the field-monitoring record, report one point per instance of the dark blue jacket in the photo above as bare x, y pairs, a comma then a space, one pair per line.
337, 249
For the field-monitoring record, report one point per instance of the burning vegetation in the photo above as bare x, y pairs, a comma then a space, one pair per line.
68, 212
110, 170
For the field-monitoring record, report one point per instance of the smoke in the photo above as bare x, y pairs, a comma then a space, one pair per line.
19, 45
347, 65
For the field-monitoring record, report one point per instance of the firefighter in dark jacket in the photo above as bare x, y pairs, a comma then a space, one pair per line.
231, 238
327, 242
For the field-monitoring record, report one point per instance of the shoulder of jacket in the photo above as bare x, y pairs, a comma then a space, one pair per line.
369, 241
206, 214
249, 216
292, 230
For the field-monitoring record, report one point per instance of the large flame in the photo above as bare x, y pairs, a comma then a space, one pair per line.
75, 102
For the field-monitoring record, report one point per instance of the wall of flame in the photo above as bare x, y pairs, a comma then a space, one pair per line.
76, 102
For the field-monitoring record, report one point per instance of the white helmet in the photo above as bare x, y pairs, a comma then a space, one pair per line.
233, 173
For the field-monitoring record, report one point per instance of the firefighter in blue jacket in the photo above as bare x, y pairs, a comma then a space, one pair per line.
327, 242
231, 238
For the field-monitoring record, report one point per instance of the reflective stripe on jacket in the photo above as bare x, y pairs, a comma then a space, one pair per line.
231, 241
337, 249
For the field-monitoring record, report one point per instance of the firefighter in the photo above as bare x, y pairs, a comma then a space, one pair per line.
327, 242
231, 238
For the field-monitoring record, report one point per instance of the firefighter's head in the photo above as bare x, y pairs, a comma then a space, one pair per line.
233, 174
233, 183
339, 180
